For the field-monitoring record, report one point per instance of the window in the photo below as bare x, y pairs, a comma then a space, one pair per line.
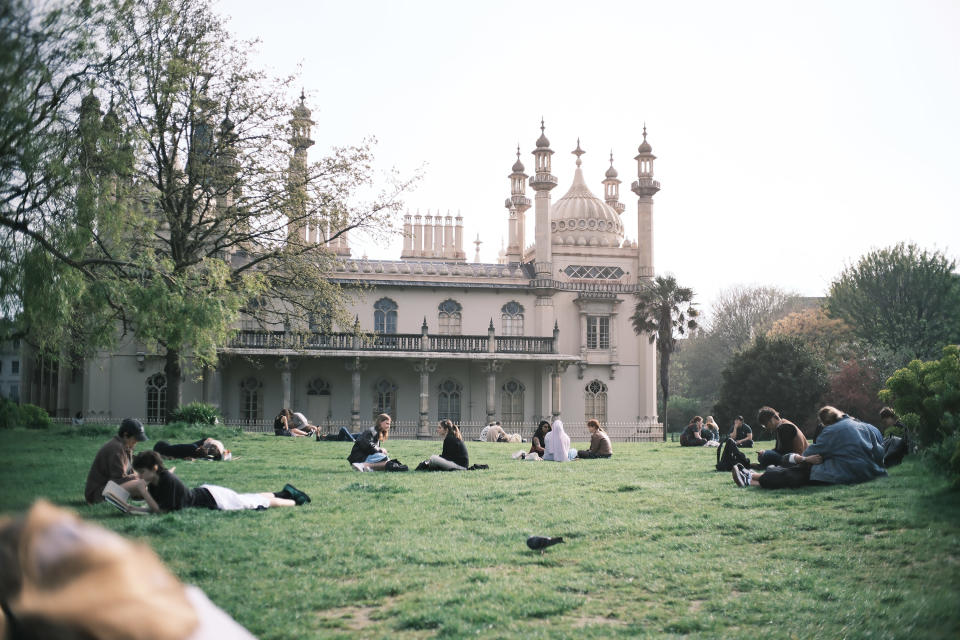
598, 332
14, 393
385, 398
449, 317
511, 317
15, 366
157, 398
385, 316
448, 401
593, 273
318, 387
511, 402
595, 401
251, 400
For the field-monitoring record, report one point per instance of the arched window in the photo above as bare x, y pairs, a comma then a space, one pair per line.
595, 401
385, 398
511, 402
449, 317
385, 316
318, 387
251, 400
511, 317
448, 401
157, 398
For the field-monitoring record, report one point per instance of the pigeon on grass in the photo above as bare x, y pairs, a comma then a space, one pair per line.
540, 542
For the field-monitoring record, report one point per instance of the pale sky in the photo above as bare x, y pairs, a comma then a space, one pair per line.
791, 137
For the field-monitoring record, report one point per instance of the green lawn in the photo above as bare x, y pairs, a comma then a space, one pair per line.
658, 544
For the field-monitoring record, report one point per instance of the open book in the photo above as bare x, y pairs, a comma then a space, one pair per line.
118, 497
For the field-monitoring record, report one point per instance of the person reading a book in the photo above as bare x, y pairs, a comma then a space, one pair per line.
114, 461
170, 494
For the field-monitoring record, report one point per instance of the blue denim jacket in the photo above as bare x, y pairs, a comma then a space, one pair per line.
852, 452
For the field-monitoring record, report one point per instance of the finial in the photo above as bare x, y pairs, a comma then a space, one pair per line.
578, 152
303, 96
644, 131
542, 126
518, 151
611, 157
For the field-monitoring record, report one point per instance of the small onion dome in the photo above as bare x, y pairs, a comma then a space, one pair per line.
301, 111
90, 103
611, 172
518, 166
542, 142
644, 146
226, 125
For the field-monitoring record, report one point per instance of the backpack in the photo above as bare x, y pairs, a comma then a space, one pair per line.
729, 454
894, 448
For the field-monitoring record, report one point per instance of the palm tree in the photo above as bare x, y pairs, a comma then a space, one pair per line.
664, 311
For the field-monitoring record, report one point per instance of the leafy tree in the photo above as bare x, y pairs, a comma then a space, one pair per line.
926, 396
831, 339
853, 387
778, 371
665, 310
900, 297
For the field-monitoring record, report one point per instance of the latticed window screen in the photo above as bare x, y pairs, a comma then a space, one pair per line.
251, 399
595, 401
318, 387
593, 273
511, 316
598, 332
385, 398
449, 317
511, 402
385, 316
448, 401
157, 398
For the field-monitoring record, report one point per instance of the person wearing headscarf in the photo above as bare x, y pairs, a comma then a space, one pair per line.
556, 443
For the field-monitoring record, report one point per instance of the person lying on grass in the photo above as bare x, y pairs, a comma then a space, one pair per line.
599, 442
453, 456
367, 454
168, 492
847, 451
202, 449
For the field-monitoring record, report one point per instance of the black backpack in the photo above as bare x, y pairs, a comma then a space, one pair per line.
729, 454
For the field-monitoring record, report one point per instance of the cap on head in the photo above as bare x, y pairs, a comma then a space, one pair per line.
132, 428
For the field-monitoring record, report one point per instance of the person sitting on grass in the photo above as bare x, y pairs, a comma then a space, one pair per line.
557, 444
691, 436
114, 461
741, 433
283, 425
170, 494
453, 456
539, 438
789, 438
367, 454
202, 449
847, 451
599, 442
710, 430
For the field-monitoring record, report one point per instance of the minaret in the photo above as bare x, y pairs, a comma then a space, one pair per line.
645, 187
297, 175
476, 256
611, 189
542, 182
517, 205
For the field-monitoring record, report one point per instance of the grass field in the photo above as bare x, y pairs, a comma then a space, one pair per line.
658, 544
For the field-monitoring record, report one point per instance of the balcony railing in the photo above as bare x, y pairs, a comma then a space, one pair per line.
390, 342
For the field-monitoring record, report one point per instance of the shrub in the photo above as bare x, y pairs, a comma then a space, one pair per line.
9, 414
33, 417
945, 458
196, 413
926, 395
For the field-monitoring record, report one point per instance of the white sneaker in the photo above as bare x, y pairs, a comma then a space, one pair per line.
518, 454
358, 466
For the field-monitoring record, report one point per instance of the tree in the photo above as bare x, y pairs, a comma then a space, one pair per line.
664, 310
192, 200
900, 297
831, 339
778, 371
853, 388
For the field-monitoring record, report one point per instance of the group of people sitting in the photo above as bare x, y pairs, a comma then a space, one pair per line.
293, 424
145, 477
550, 442
700, 434
845, 451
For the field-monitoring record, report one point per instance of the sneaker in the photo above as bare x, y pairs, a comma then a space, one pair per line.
518, 454
740, 476
358, 466
296, 495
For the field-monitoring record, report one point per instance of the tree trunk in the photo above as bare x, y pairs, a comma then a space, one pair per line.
665, 387
174, 390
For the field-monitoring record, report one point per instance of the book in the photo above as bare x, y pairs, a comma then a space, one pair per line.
117, 496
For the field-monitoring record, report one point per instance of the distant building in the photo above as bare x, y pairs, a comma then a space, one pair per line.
545, 332
10, 365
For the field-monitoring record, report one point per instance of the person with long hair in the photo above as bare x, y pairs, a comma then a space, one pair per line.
692, 435
367, 453
283, 425
453, 456
170, 494
599, 442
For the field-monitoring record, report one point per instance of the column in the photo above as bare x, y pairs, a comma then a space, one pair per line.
286, 383
555, 392
354, 366
491, 368
424, 367
213, 387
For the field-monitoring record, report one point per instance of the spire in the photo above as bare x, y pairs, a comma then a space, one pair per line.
578, 152
611, 188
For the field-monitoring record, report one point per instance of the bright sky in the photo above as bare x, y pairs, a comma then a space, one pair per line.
791, 137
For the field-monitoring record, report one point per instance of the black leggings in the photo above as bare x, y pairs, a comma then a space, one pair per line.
587, 454
168, 450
